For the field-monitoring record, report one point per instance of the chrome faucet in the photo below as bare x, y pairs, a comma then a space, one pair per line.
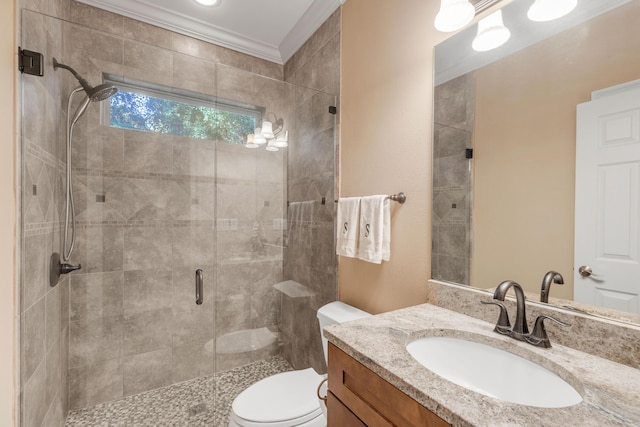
520, 327
550, 277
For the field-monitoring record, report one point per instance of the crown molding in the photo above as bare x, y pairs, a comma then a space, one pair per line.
313, 18
182, 24
144, 11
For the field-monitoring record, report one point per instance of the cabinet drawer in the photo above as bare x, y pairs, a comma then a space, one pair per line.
372, 399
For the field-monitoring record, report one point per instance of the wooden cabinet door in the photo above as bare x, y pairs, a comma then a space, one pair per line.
339, 415
372, 399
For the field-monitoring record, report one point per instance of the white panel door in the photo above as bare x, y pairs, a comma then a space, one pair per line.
607, 232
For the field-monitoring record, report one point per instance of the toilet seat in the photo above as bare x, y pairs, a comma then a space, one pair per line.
282, 400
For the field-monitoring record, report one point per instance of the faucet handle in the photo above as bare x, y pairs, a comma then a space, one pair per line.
503, 326
539, 336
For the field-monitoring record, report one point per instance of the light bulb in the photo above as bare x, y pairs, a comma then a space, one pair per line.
267, 129
209, 2
258, 138
491, 33
453, 15
251, 142
271, 146
548, 10
282, 141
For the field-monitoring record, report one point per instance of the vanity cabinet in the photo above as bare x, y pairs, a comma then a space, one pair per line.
359, 397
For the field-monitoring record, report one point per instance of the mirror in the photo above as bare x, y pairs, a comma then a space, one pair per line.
508, 212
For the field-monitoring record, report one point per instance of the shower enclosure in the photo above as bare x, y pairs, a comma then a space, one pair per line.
152, 208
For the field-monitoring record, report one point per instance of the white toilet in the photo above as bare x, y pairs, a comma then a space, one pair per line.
290, 398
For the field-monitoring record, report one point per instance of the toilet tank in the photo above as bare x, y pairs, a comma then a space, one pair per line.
334, 313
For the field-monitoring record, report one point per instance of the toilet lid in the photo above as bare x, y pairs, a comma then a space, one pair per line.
281, 397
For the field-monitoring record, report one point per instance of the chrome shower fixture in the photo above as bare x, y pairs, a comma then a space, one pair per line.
95, 94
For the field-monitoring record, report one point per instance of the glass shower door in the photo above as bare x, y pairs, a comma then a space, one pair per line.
250, 212
43, 309
145, 212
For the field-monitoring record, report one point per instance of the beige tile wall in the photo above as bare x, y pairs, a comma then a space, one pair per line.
451, 215
310, 257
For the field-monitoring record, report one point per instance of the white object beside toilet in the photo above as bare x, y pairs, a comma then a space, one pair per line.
290, 398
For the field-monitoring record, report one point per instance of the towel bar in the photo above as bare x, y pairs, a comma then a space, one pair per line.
400, 198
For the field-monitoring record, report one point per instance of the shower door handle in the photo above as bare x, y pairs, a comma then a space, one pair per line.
199, 279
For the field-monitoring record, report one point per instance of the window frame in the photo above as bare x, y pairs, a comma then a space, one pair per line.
170, 93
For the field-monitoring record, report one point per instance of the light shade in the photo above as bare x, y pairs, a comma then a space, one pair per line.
282, 141
453, 15
251, 142
491, 33
258, 138
209, 2
271, 146
267, 129
548, 10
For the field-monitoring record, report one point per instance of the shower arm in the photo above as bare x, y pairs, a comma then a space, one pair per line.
98, 93
85, 84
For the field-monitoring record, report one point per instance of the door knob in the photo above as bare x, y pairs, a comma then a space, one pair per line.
585, 271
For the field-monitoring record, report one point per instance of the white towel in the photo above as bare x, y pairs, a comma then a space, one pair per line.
375, 229
347, 226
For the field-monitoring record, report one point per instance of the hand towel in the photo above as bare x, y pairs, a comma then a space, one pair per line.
347, 226
375, 229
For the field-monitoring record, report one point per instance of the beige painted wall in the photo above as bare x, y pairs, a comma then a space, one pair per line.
386, 121
525, 163
7, 209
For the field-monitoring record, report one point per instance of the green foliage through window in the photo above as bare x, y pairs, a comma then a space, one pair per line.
138, 111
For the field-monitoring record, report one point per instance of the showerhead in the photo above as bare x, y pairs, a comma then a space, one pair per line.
102, 92
95, 94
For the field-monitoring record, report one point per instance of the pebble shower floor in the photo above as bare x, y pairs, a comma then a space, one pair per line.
198, 402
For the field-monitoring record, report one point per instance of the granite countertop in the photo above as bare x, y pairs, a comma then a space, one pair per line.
610, 391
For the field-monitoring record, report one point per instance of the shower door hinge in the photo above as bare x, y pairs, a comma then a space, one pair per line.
30, 62
333, 109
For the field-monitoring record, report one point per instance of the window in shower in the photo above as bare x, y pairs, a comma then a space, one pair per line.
156, 108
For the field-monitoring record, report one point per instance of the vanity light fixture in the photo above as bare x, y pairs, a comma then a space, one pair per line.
257, 137
267, 129
271, 145
491, 33
282, 141
454, 14
209, 2
270, 133
251, 143
548, 10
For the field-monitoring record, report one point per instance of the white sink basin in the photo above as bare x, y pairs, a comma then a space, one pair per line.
493, 372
